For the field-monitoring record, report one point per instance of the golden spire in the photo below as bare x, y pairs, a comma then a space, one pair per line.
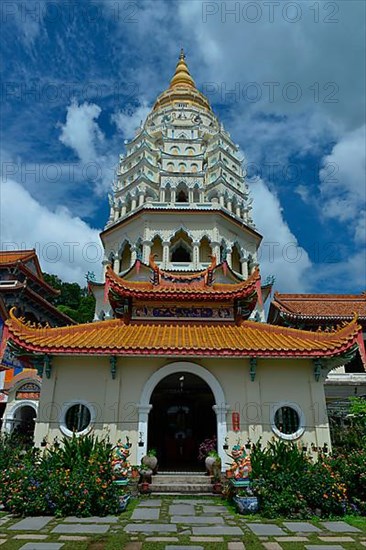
182, 77
182, 89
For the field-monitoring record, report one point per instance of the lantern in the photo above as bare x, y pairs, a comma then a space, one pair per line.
236, 421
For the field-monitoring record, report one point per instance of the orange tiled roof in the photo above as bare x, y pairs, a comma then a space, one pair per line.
143, 289
12, 256
341, 306
248, 339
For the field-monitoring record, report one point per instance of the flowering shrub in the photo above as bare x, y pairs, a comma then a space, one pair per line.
351, 468
73, 479
289, 484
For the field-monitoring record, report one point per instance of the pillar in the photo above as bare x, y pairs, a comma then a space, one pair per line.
196, 254
202, 196
190, 196
162, 195
146, 250
116, 265
133, 254
143, 411
116, 213
216, 250
123, 210
173, 195
238, 211
228, 257
244, 266
221, 413
133, 203
141, 199
222, 200
166, 246
229, 205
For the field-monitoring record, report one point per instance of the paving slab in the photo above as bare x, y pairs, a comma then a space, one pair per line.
214, 509
162, 539
217, 530
146, 514
266, 529
151, 502
174, 547
30, 536
292, 539
150, 528
340, 527
71, 528
337, 539
323, 547
42, 546
206, 539
91, 519
272, 546
235, 546
182, 510
133, 546
301, 527
194, 501
31, 523
192, 520
70, 537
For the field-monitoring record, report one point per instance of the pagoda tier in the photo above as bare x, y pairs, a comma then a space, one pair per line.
249, 339
22, 284
148, 292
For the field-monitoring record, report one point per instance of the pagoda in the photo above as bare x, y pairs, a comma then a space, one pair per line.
179, 350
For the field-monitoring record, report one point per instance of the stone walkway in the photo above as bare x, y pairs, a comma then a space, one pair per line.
173, 523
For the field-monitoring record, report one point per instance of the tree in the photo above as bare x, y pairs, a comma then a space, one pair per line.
74, 301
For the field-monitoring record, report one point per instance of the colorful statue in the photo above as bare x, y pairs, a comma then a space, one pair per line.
120, 464
241, 467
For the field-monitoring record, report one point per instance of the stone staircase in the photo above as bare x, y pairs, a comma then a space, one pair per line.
177, 483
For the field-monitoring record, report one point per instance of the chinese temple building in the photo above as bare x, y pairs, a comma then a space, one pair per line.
22, 286
179, 350
327, 311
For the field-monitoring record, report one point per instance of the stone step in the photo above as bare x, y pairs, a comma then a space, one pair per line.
180, 488
182, 478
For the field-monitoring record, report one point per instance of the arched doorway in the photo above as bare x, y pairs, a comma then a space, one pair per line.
182, 416
144, 407
23, 421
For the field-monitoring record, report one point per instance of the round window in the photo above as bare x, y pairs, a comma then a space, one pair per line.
288, 421
77, 418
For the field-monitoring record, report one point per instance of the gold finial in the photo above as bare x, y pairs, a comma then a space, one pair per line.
182, 77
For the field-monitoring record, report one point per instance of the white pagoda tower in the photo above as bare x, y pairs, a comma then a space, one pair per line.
180, 192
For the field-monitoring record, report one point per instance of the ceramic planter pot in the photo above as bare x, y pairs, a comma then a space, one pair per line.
217, 487
210, 463
123, 501
246, 505
151, 462
144, 487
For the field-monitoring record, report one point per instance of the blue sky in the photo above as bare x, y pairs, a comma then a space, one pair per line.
286, 79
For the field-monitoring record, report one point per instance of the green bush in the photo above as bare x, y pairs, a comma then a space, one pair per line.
75, 478
289, 484
351, 468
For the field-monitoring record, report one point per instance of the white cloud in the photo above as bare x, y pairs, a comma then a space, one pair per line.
66, 245
97, 155
343, 184
81, 131
128, 122
280, 253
